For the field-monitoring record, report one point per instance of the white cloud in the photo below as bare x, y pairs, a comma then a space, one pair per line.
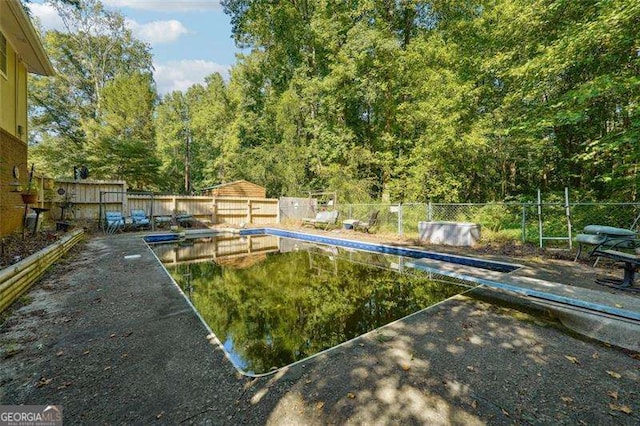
166, 5
180, 75
48, 16
157, 31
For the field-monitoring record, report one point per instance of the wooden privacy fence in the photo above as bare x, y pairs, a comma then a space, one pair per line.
233, 251
88, 200
233, 211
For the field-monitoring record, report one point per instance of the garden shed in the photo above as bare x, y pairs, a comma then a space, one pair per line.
238, 188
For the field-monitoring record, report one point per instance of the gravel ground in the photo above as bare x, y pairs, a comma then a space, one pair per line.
113, 341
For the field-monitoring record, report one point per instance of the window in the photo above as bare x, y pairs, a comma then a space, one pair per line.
3, 55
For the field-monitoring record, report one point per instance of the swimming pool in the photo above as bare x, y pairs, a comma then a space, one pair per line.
272, 300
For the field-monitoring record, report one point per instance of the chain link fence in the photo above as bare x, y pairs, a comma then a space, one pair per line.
544, 224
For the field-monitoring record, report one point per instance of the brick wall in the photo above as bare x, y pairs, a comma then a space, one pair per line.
12, 152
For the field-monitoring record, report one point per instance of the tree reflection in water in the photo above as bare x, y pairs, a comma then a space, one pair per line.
292, 305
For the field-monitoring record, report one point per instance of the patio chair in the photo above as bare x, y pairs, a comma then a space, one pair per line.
323, 219
140, 219
184, 219
365, 226
114, 221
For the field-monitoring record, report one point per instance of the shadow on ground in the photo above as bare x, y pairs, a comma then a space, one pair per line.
113, 340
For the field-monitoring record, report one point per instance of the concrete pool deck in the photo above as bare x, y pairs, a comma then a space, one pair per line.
110, 338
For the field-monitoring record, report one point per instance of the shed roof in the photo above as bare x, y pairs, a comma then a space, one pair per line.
20, 33
235, 182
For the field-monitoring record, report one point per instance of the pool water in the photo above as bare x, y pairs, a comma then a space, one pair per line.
272, 301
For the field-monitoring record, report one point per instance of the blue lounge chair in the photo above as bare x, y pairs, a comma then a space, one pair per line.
114, 221
139, 219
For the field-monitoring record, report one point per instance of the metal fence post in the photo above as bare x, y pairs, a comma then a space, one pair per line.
400, 219
567, 207
540, 217
100, 224
429, 212
153, 220
524, 223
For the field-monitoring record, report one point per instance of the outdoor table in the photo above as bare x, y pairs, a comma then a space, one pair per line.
609, 231
597, 235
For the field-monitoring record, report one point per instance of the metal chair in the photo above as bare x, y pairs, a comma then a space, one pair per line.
140, 219
114, 221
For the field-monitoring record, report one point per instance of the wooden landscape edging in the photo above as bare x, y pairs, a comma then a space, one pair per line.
18, 278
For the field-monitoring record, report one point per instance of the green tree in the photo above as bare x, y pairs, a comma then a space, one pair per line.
96, 48
122, 143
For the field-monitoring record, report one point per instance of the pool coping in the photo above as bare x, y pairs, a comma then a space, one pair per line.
504, 267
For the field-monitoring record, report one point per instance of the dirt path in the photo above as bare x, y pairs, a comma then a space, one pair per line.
112, 340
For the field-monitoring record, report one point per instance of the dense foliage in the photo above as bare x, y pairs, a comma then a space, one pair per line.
407, 100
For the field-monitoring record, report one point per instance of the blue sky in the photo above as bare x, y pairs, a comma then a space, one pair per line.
190, 39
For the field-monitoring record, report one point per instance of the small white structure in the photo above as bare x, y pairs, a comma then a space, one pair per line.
449, 233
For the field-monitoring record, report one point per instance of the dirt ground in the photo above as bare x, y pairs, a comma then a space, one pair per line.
111, 339
15, 247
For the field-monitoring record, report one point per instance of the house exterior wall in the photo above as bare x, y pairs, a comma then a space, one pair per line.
13, 140
12, 152
13, 97
24, 54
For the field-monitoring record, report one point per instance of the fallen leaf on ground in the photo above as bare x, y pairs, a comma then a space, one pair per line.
43, 382
624, 408
112, 335
59, 353
319, 405
86, 352
614, 374
595, 355
573, 359
64, 385
160, 414
505, 412
351, 395
108, 367
474, 404
613, 394
566, 399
